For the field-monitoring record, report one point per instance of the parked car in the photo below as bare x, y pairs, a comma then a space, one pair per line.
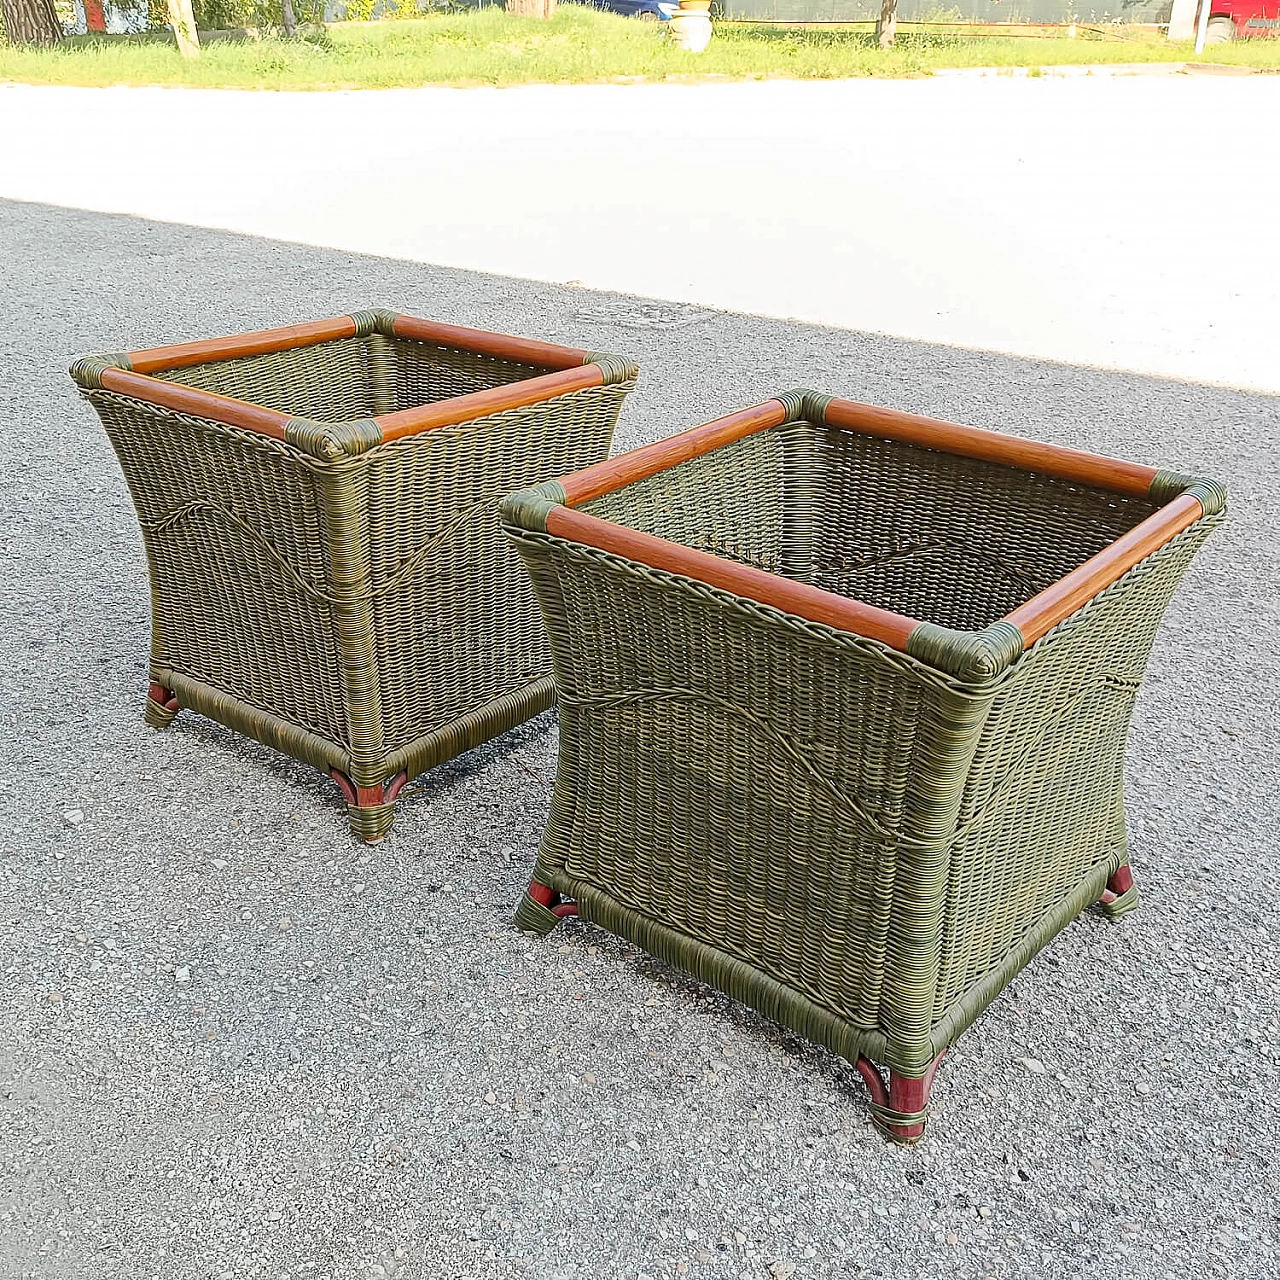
648, 10
1242, 20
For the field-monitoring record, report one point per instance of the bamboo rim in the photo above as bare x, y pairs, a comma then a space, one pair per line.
568, 374
1033, 619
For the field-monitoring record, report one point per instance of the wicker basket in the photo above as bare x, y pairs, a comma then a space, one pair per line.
843, 703
319, 507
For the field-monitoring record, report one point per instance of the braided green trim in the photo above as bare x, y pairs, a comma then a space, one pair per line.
371, 822
794, 401
1211, 494
1122, 905
333, 440
478, 725
366, 322
973, 656
1167, 485
529, 508
358, 435
157, 715
883, 1117
615, 368
1004, 644
283, 735
533, 917
815, 406
384, 319
87, 370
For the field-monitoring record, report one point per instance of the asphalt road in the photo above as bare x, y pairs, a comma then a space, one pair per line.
234, 1044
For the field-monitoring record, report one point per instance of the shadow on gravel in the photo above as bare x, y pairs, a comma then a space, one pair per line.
234, 1036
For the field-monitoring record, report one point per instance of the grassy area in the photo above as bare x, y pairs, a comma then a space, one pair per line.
578, 45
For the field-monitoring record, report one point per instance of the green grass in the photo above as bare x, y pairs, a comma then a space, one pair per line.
578, 45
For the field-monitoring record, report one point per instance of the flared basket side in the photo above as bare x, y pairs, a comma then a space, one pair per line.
235, 541
359, 609
1042, 822
736, 787
453, 622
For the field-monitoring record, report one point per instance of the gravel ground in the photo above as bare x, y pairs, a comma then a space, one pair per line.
233, 1043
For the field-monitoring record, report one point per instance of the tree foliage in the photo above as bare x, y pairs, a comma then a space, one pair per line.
232, 15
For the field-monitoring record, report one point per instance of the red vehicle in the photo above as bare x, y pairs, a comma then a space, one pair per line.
1242, 20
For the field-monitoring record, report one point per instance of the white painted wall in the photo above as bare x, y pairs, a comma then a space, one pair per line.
1067, 218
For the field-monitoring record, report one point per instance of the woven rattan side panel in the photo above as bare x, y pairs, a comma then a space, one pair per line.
333, 381
230, 524
425, 374
739, 778
1043, 806
455, 624
948, 539
750, 501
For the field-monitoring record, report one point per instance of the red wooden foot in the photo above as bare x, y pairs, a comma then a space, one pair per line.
163, 697
550, 899
1119, 883
366, 797
1121, 894
162, 706
370, 808
540, 908
900, 1109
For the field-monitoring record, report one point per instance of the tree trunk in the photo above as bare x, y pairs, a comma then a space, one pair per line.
887, 27
183, 22
287, 17
531, 8
31, 21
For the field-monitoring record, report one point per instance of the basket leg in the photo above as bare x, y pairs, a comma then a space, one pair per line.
899, 1109
370, 809
162, 706
541, 909
1121, 894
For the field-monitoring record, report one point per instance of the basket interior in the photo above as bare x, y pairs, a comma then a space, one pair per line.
346, 378
932, 535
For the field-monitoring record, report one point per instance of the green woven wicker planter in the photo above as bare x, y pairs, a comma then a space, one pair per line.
843, 704
319, 508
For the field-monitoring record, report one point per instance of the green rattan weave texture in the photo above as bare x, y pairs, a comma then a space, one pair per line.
347, 378
353, 604
950, 539
857, 843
